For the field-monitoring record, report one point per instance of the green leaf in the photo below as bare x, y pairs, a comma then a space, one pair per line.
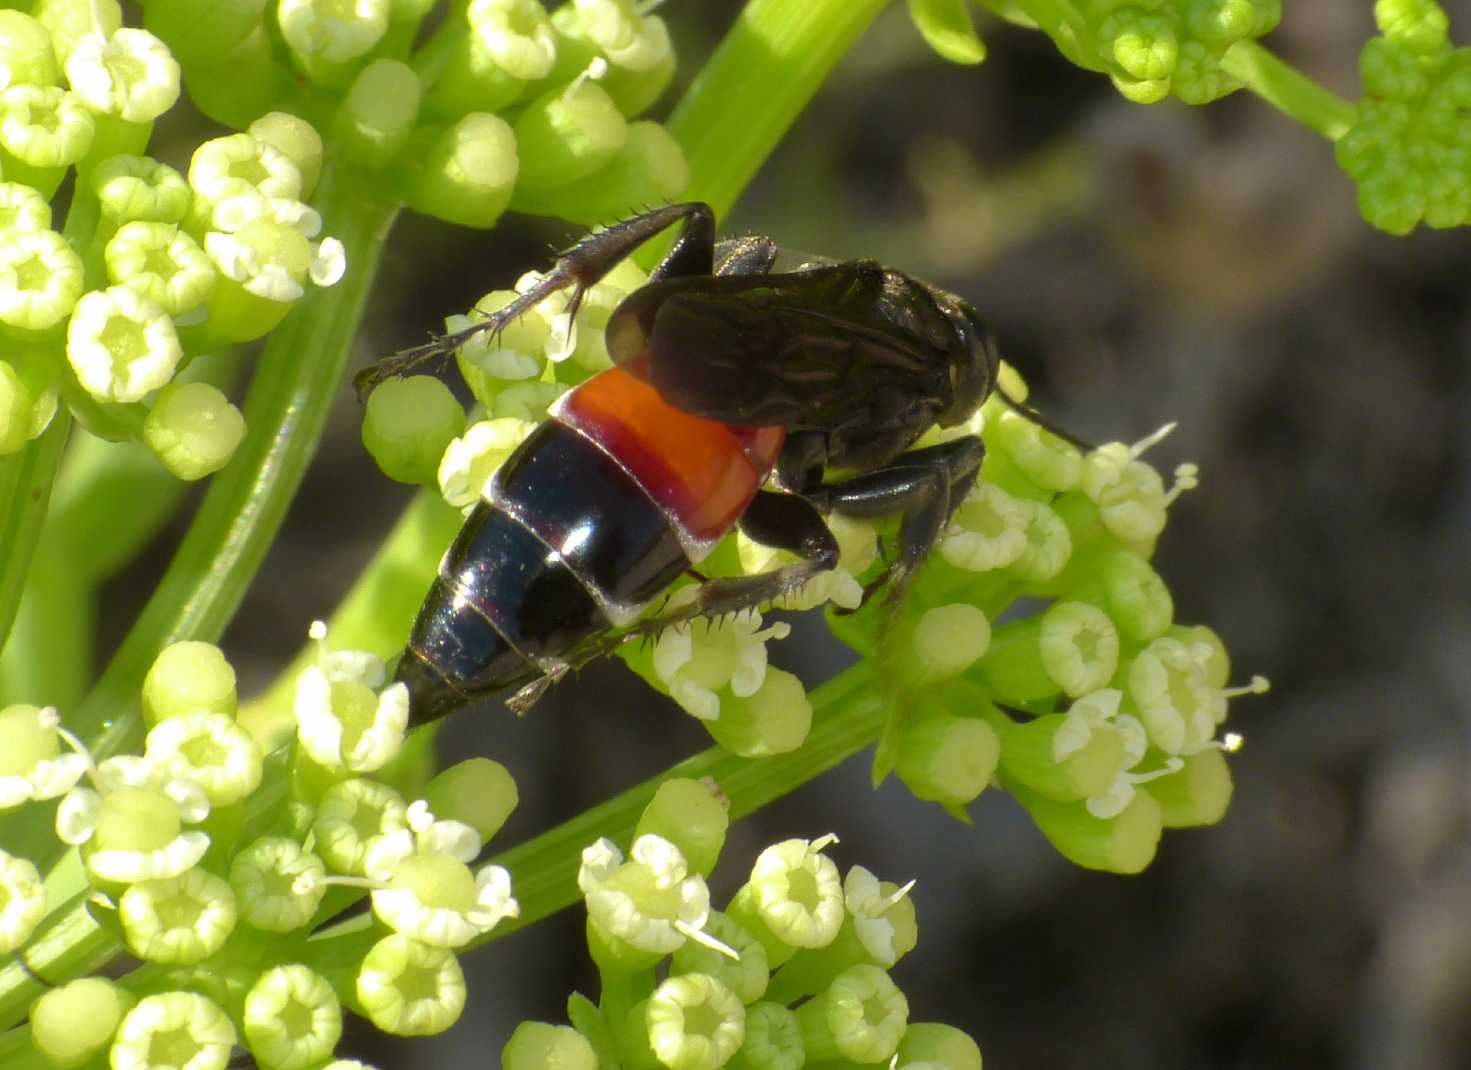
947, 28
588, 1020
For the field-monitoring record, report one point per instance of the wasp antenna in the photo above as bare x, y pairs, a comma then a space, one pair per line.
1022, 409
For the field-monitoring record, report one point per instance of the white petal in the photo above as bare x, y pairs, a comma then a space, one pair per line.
453, 838
76, 817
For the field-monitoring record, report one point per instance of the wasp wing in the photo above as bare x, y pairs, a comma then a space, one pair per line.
825, 349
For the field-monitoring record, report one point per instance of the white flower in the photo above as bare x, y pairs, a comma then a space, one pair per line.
987, 531
471, 460
333, 31
342, 721
32, 765
22, 901
1168, 685
131, 74
352, 817
121, 345
210, 750
698, 659
429, 893
798, 893
177, 920
194, 1031
516, 34
652, 901
869, 905
1130, 495
132, 822
241, 164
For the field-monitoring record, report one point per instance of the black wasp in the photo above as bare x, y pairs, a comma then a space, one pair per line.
736, 383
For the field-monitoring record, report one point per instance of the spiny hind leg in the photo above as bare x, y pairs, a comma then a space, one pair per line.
580, 267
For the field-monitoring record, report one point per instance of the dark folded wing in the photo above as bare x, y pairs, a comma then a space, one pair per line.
826, 349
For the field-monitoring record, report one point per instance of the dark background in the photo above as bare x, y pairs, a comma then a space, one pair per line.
1140, 265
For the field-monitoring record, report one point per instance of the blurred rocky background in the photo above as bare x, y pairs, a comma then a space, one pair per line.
1140, 265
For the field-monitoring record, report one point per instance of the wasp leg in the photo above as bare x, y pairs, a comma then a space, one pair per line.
781, 521
925, 487
580, 267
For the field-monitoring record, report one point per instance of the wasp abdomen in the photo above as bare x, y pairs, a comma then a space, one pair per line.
594, 515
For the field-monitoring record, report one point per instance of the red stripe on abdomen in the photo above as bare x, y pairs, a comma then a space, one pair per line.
704, 472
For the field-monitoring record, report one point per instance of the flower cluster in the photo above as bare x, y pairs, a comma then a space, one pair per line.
1409, 148
207, 878
152, 267
794, 970
1152, 49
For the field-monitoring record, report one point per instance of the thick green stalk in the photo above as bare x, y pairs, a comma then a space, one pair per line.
1288, 89
751, 91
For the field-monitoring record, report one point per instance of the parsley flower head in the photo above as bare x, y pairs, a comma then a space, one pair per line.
343, 719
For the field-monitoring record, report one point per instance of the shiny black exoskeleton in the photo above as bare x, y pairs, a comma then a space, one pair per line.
854, 361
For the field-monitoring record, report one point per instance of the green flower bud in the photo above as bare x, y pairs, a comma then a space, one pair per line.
21, 206
129, 75
1214, 660
540, 1045
1067, 757
1198, 794
464, 173
22, 901
775, 719
650, 168
773, 1040
294, 137
478, 792
745, 976
938, 1045
1135, 597
1049, 545
195, 40
410, 989
471, 460
26, 54
946, 641
793, 900
988, 530
162, 263
692, 815
694, 1023
1079, 647
636, 47
140, 188
277, 884
508, 45
73, 1023
43, 131
1125, 843
861, 1016
121, 345
236, 84
566, 135
527, 402
191, 1028
292, 1018
327, 37
1046, 460
408, 425
879, 929
186, 677
71, 20
177, 921
1417, 24
194, 429
946, 759
377, 114
1013, 668
16, 407
351, 816
40, 279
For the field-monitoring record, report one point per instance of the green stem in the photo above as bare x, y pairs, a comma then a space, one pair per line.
1289, 90
751, 91
25, 492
